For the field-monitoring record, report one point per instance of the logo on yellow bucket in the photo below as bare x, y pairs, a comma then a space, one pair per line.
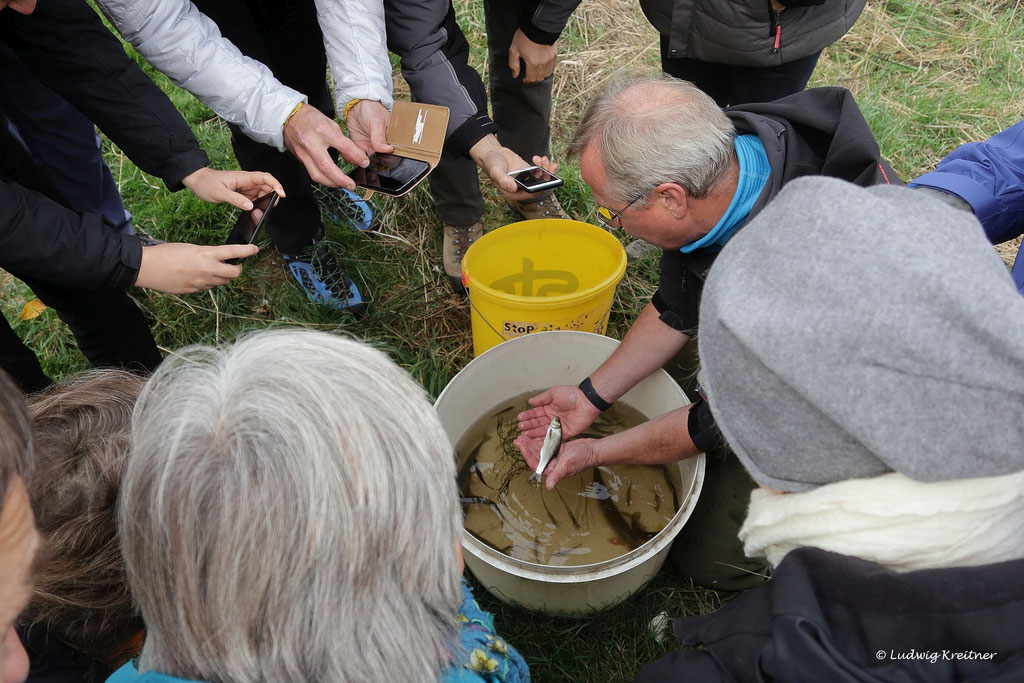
513, 328
555, 282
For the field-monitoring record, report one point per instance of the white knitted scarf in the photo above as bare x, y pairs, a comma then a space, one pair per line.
894, 521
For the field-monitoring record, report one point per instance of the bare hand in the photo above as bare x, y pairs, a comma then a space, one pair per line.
565, 402
309, 134
573, 457
232, 187
498, 161
540, 59
368, 125
180, 268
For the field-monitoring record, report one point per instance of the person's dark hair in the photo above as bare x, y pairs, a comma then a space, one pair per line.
15, 434
83, 429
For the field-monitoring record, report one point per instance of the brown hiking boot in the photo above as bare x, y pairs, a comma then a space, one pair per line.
544, 205
457, 239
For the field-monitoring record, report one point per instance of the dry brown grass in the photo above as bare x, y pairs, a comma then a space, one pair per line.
602, 37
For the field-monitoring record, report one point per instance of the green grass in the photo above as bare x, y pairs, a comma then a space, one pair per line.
928, 74
610, 646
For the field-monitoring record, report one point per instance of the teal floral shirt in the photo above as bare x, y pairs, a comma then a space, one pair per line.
485, 656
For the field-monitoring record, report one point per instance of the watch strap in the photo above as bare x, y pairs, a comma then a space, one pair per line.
595, 398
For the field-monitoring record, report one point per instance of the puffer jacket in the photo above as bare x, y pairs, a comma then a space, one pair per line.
186, 45
749, 32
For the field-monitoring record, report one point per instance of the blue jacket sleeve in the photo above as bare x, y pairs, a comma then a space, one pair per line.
989, 176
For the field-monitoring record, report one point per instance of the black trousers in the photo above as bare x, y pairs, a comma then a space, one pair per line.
284, 35
110, 330
730, 85
520, 110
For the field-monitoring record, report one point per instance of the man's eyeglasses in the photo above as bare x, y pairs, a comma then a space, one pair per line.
608, 219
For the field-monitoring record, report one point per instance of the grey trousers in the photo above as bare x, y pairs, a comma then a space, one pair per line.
521, 111
708, 549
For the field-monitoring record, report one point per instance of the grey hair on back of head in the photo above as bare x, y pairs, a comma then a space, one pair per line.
652, 130
16, 452
289, 512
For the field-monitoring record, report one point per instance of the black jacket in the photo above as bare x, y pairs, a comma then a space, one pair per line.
830, 617
42, 240
744, 32
53, 661
66, 45
820, 131
542, 21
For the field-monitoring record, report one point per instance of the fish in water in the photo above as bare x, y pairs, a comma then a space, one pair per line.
552, 439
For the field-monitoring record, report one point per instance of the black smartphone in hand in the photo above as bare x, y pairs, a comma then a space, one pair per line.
248, 224
390, 174
536, 179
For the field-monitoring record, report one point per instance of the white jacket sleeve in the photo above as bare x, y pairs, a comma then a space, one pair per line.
357, 52
186, 45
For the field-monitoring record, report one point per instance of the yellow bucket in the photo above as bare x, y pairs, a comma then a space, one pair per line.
535, 276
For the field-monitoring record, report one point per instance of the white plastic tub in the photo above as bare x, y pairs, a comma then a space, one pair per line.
533, 363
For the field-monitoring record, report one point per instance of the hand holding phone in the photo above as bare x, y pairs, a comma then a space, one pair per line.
536, 179
248, 224
390, 174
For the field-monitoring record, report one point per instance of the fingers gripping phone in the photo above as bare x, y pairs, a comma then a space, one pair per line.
248, 224
390, 174
536, 179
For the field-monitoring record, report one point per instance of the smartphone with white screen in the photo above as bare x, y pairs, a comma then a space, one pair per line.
536, 179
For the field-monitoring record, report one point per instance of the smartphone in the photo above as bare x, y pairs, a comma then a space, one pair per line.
390, 174
248, 224
536, 179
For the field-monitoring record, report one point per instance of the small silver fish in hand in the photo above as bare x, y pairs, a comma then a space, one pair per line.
552, 440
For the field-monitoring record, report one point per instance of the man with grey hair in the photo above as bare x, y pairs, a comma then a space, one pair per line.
289, 512
19, 540
676, 171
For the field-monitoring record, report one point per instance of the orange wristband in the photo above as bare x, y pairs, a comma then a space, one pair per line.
348, 108
294, 112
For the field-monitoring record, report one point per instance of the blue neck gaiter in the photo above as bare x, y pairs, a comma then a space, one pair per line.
754, 172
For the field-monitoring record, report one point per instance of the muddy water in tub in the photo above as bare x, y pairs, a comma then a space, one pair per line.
591, 517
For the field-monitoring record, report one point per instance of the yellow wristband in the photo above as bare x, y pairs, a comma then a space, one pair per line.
348, 108
294, 112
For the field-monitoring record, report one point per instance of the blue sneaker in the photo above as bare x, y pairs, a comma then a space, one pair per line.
317, 272
343, 207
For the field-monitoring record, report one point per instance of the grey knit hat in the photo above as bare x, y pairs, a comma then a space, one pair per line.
847, 332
